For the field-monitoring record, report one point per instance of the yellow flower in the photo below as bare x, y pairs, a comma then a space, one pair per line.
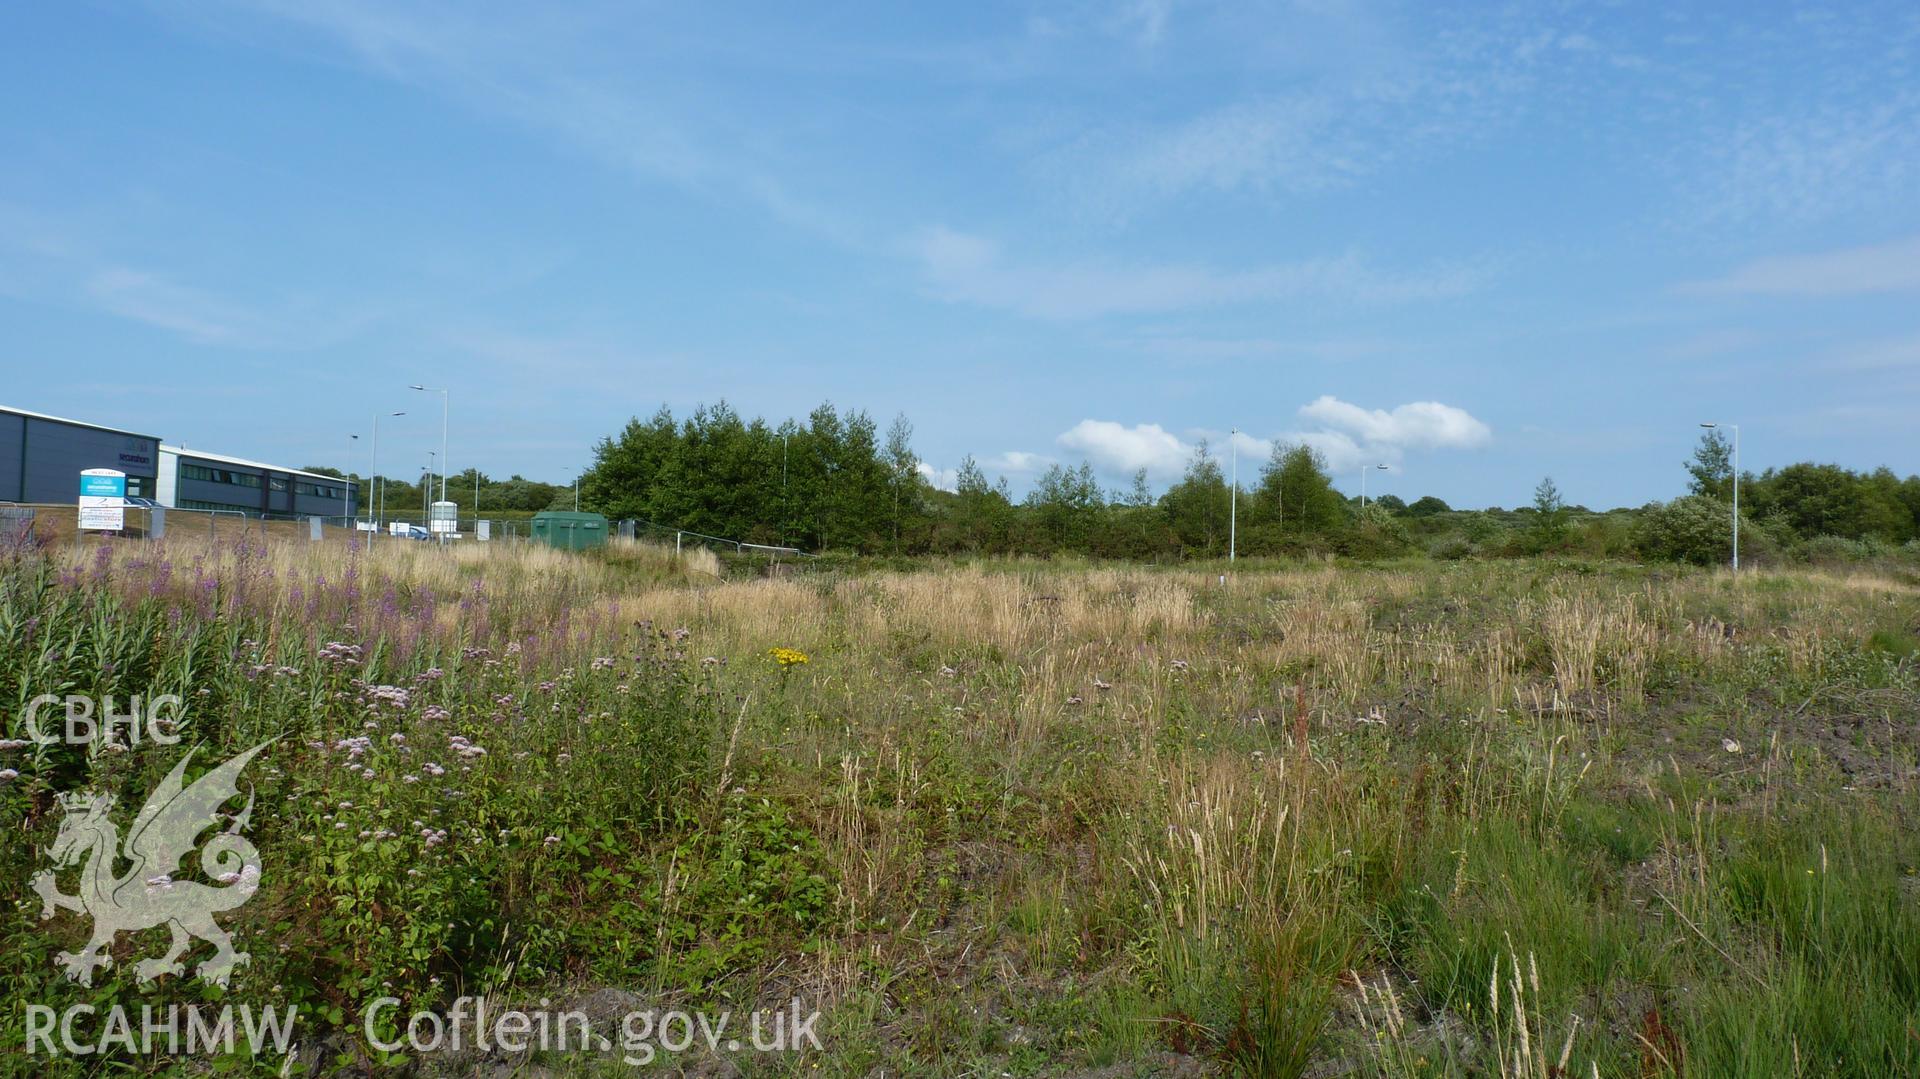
787, 657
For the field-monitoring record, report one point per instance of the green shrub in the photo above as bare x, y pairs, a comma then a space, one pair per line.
1699, 530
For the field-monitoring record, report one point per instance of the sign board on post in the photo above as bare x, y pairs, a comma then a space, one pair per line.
483, 530
103, 500
443, 518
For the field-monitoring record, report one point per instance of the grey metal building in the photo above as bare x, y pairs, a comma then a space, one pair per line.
196, 480
41, 456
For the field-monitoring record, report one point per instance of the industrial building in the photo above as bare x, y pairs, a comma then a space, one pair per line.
41, 456
195, 480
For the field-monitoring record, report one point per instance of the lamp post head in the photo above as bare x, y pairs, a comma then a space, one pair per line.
1709, 425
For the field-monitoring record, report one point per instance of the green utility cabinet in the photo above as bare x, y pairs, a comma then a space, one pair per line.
569, 530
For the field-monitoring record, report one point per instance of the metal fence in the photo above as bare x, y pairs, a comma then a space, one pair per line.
59, 522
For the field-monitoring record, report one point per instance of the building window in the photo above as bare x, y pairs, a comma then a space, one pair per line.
197, 504
219, 475
278, 483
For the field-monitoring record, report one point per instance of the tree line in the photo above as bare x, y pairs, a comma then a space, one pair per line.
404, 498
837, 481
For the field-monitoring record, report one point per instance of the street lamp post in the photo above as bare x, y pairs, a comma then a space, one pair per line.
1363, 483
346, 488
377, 510
1736, 490
1233, 498
443, 434
426, 492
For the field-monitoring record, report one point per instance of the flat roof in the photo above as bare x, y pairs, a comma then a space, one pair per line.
30, 414
222, 458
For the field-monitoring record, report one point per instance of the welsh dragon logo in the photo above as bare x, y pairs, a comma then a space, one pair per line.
163, 834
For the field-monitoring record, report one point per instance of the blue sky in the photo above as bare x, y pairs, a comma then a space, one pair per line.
1479, 243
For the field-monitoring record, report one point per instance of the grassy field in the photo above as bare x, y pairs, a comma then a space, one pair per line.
1515, 818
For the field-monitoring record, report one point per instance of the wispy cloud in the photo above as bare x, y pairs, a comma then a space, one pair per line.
554, 74
144, 297
1201, 348
964, 268
1143, 20
1845, 155
59, 261
1883, 355
1881, 268
1328, 95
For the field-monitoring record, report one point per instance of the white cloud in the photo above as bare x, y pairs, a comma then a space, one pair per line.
1018, 461
1347, 435
1890, 267
964, 268
1118, 448
1422, 425
945, 479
